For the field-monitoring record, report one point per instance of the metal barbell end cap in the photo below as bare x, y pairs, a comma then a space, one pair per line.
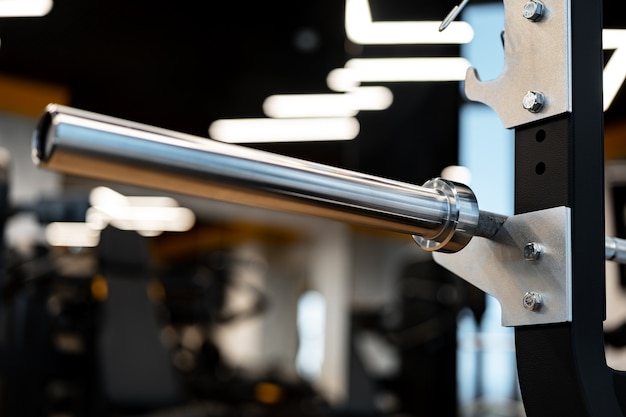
461, 222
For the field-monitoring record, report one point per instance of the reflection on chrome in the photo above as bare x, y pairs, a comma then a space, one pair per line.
147, 215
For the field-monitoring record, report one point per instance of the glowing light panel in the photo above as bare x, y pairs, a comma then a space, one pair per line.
328, 105
284, 130
72, 234
408, 69
615, 69
147, 215
360, 29
342, 79
24, 8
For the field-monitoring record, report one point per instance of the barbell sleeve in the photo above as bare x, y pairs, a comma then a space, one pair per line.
440, 214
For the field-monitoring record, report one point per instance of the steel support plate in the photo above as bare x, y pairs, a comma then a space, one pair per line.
498, 266
537, 57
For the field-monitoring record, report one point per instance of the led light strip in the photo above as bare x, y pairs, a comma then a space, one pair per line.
328, 105
615, 69
361, 30
24, 8
408, 69
284, 130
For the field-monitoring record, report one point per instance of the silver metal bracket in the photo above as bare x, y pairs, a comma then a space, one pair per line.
526, 266
536, 80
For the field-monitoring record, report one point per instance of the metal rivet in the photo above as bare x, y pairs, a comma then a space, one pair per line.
532, 301
533, 10
532, 251
533, 101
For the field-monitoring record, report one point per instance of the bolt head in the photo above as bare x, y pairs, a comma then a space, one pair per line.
532, 251
532, 301
533, 10
533, 101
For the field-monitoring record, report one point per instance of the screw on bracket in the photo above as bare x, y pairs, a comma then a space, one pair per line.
533, 10
533, 101
532, 301
532, 251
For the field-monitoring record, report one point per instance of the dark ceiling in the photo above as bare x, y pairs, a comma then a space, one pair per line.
181, 65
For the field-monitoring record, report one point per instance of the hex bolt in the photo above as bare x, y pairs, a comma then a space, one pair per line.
532, 251
533, 10
532, 301
533, 101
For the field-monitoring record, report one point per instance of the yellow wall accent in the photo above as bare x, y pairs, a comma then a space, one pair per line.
29, 97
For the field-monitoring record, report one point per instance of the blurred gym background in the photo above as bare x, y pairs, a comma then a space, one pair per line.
237, 311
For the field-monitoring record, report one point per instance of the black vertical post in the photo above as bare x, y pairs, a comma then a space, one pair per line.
560, 162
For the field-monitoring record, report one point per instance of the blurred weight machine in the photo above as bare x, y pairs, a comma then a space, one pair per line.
103, 331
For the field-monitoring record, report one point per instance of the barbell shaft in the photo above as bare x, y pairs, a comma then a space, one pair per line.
440, 214
93, 145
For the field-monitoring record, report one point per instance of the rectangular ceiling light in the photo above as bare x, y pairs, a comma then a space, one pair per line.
24, 8
328, 105
360, 29
284, 130
71, 234
408, 69
614, 70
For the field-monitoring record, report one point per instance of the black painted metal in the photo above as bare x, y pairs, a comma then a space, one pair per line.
562, 368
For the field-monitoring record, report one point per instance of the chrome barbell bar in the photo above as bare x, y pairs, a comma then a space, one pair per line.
441, 215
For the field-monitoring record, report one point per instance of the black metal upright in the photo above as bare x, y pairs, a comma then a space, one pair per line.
560, 162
